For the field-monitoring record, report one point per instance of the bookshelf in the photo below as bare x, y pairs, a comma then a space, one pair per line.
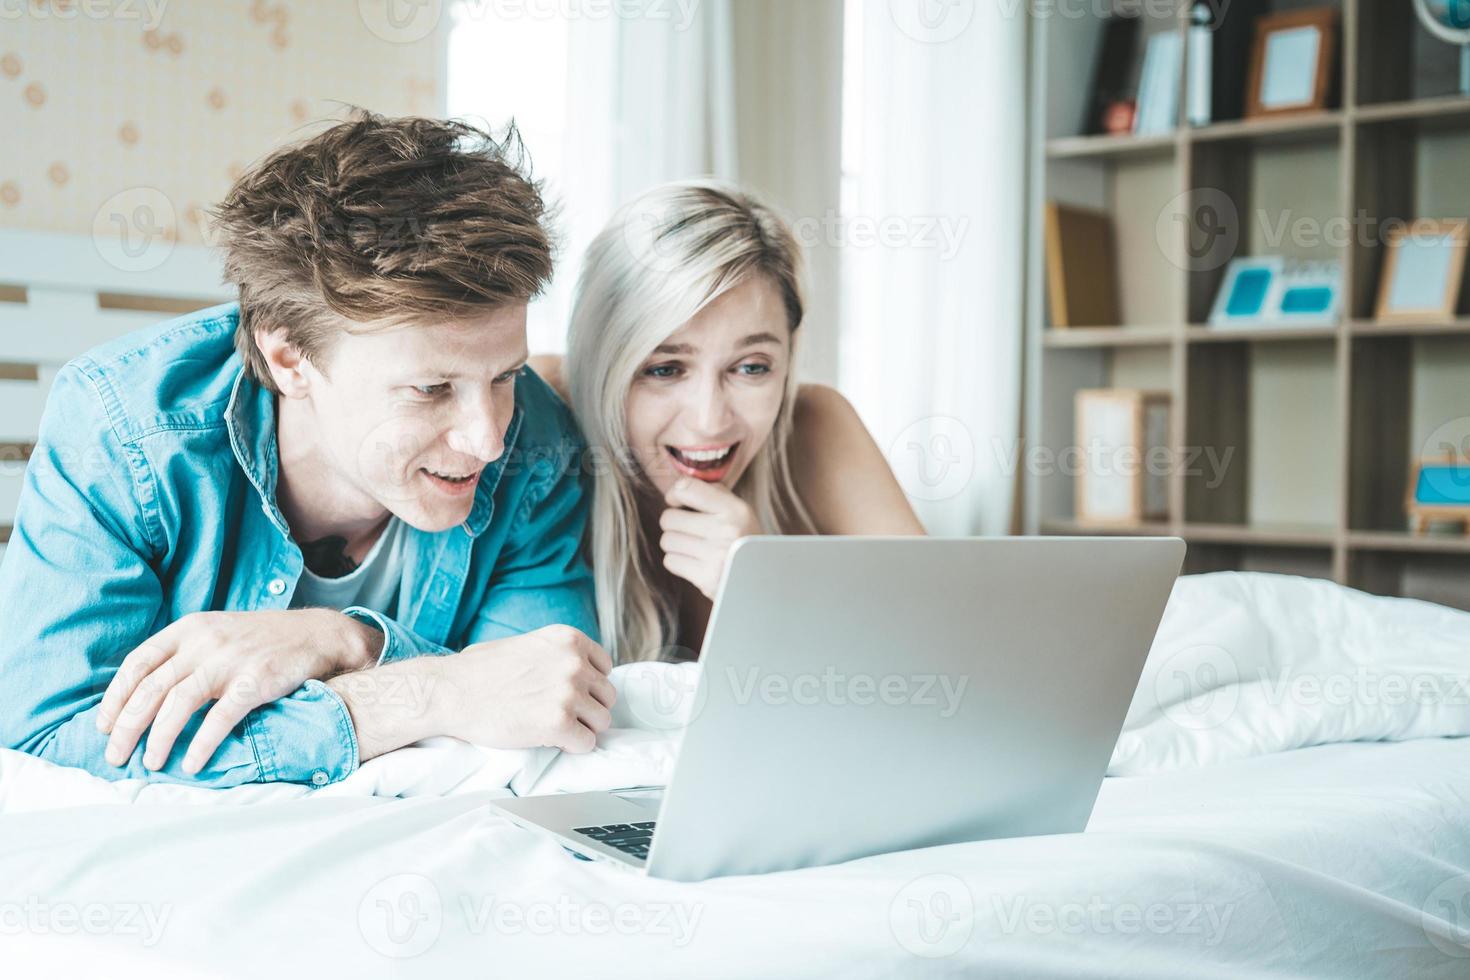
1321, 422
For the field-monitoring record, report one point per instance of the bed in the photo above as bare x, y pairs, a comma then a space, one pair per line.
1290, 797
61, 295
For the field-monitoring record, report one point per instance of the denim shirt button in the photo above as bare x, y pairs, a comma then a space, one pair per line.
277, 586
320, 778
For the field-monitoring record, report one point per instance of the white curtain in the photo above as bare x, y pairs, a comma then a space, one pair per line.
934, 192
674, 98
608, 106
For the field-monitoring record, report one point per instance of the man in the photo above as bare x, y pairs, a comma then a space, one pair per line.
274, 539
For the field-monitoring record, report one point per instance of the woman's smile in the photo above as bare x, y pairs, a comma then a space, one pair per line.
708, 463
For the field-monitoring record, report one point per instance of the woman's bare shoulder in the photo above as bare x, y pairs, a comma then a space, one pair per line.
548, 366
820, 406
841, 474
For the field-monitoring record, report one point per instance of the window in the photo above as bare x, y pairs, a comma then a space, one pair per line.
531, 68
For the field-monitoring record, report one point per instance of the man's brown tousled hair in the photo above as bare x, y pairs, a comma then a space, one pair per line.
380, 220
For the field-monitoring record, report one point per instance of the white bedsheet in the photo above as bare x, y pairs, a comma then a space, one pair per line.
1335, 862
1233, 857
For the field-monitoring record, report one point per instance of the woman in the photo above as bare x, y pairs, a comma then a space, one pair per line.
680, 371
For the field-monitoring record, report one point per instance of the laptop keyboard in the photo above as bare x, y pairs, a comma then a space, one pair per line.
630, 838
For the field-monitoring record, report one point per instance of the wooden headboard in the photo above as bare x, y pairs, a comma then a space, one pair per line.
60, 295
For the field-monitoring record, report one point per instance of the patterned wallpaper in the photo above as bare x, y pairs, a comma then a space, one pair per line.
164, 102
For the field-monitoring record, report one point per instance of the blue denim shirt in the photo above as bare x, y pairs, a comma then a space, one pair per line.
150, 495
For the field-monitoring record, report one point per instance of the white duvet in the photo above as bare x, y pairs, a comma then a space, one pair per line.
1226, 845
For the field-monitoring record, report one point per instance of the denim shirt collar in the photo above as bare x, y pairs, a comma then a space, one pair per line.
250, 417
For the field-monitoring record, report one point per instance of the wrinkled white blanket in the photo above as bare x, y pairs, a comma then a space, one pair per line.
1243, 664
1246, 664
1231, 857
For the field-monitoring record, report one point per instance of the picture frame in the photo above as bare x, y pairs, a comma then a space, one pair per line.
1309, 294
1247, 291
1274, 291
1423, 270
1292, 60
1127, 427
1438, 490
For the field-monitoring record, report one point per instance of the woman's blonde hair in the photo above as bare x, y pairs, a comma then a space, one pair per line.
661, 260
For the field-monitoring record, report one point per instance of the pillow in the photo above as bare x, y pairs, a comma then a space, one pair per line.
1247, 663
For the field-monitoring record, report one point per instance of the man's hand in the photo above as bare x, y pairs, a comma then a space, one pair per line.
703, 522
239, 660
547, 687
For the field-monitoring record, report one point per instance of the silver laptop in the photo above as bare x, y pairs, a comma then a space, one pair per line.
865, 695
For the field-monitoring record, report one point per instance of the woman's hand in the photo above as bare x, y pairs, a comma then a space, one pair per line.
702, 523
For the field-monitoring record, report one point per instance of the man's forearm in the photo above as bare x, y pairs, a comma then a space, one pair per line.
394, 705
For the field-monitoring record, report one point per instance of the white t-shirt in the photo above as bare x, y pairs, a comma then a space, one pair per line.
372, 585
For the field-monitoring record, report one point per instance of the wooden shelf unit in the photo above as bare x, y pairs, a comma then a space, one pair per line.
1446, 109
1317, 489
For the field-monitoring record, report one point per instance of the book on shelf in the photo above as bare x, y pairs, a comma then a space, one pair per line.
1110, 72
1082, 279
1233, 34
1158, 85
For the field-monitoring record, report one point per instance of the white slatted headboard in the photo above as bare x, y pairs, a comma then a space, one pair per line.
59, 297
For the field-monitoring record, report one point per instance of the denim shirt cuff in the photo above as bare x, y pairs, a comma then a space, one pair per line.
399, 642
305, 738
380, 623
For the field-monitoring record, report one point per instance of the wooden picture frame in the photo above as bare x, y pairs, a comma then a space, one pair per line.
1122, 419
1420, 514
1447, 295
1324, 21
